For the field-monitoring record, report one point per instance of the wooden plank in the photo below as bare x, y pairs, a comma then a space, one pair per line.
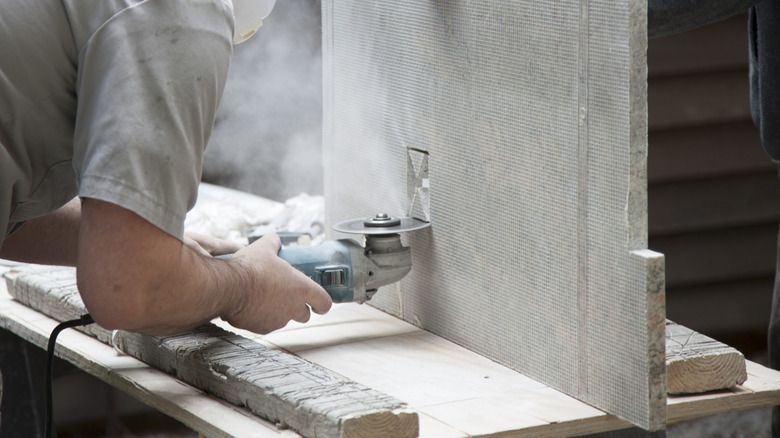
711, 204
719, 46
445, 382
64, 303
708, 257
466, 391
706, 152
696, 363
494, 401
698, 99
754, 393
273, 384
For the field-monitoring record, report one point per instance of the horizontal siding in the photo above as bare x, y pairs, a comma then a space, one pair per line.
740, 306
698, 99
719, 47
713, 193
721, 255
706, 152
714, 203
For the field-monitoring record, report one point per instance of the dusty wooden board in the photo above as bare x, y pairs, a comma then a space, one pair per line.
696, 363
278, 386
762, 388
444, 383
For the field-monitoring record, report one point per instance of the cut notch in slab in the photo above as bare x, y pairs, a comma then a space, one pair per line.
418, 187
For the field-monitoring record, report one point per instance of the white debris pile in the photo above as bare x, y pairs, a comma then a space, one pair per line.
233, 215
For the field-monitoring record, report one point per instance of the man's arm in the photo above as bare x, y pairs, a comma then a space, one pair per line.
47, 240
135, 277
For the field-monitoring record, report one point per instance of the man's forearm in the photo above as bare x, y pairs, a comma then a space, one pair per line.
135, 277
47, 240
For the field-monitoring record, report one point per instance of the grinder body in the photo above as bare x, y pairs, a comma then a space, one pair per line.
350, 272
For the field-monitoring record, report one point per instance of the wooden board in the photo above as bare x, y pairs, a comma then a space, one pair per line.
280, 387
456, 393
476, 396
696, 363
762, 388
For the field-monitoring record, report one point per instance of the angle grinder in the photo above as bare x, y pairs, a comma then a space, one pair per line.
350, 272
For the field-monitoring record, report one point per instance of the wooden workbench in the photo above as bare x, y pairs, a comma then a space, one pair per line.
456, 393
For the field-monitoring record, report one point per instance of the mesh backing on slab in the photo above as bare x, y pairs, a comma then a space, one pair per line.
530, 118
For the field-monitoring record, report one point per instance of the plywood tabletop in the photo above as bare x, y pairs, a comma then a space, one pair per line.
457, 393
473, 396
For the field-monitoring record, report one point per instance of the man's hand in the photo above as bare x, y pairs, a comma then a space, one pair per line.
135, 277
209, 246
278, 291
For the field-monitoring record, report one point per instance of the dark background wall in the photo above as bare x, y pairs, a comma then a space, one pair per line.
268, 133
714, 195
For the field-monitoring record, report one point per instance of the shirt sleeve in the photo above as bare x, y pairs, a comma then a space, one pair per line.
149, 83
667, 17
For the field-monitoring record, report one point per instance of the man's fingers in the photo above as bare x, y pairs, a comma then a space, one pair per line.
195, 246
320, 301
282, 292
222, 247
208, 245
304, 315
271, 241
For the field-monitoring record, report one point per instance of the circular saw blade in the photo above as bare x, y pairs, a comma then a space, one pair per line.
359, 226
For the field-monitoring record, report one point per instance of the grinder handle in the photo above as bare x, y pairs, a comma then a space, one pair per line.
328, 264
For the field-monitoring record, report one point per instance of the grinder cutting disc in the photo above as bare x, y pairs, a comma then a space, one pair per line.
380, 224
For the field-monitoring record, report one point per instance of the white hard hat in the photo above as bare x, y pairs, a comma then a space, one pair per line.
249, 16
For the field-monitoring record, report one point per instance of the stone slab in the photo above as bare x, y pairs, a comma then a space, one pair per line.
519, 130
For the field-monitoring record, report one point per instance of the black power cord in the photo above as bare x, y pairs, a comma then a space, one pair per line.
84, 320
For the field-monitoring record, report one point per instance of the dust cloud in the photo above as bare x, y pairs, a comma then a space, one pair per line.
267, 138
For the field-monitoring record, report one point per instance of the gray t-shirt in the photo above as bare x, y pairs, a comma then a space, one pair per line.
108, 99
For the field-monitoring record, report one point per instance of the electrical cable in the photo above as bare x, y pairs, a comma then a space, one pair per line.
85, 319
